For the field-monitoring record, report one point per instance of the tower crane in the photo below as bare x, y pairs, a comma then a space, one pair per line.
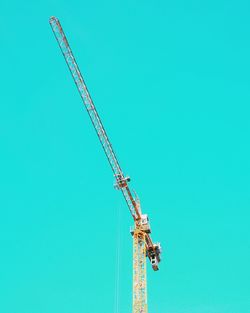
143, 246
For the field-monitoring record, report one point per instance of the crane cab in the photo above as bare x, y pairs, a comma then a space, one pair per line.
144, 223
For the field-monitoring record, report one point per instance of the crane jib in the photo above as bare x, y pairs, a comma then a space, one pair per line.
95, 119
121, 181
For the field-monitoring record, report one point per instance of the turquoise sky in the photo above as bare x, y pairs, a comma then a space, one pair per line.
170, 80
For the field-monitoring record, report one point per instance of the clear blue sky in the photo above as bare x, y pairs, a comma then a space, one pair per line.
171, 82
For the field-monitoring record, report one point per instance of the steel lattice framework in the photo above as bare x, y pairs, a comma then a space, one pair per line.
94, 116
142, 243
139, 273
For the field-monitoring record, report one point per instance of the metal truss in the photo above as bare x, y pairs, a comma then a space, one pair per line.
142, 243
121, 180
139, 273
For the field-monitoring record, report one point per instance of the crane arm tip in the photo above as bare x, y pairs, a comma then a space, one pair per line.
53, 18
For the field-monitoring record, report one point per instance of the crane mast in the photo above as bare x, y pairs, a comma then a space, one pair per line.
143, 245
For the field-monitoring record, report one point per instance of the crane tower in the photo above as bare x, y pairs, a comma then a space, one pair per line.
143, 245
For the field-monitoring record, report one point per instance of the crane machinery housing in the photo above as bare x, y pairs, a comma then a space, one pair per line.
143, 245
